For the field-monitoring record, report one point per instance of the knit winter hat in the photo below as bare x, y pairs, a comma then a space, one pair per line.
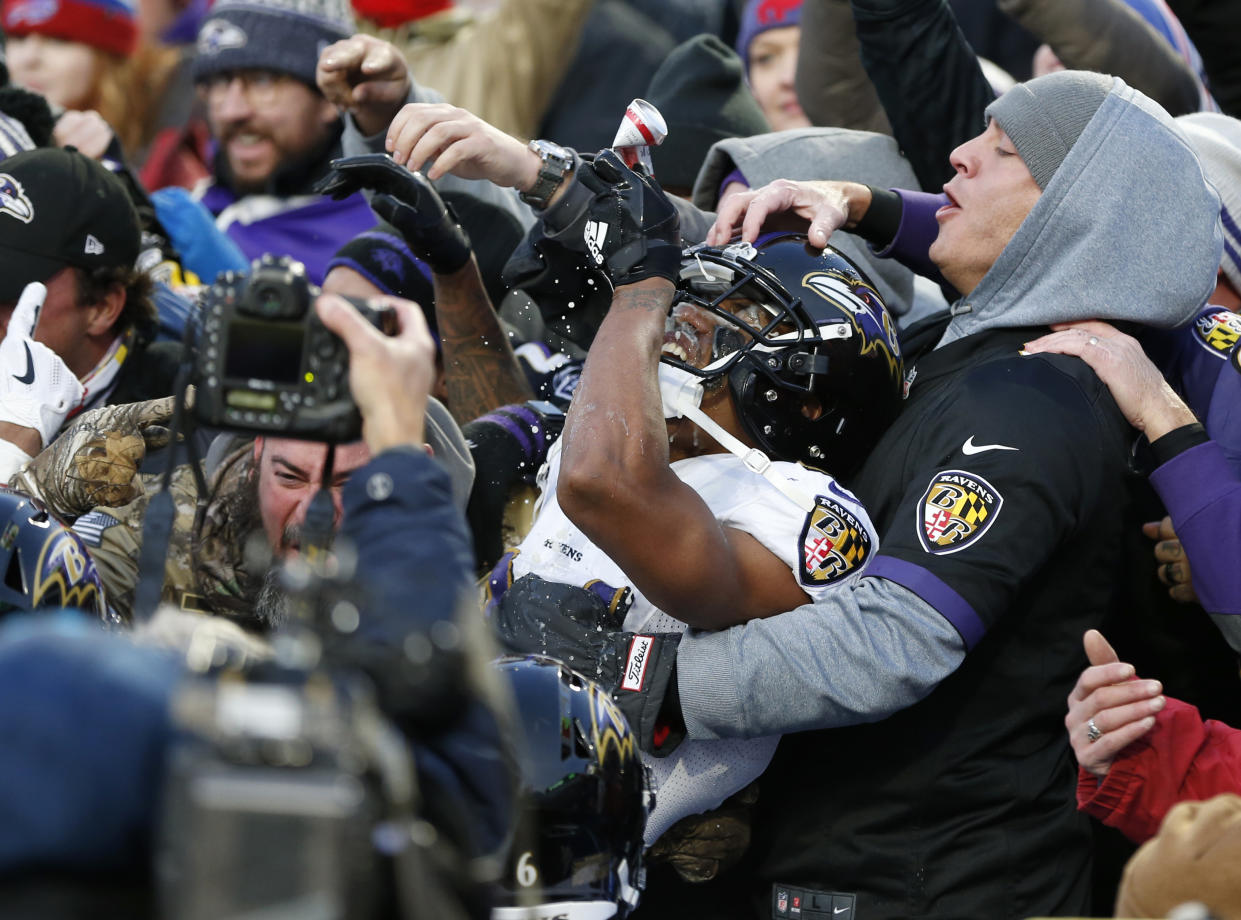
700, 90
109, 25
1217, 141
382, 257
761, 15
1194, 857
283, 36
1045, 116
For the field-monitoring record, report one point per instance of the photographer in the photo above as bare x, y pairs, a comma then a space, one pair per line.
87, 799
251, 487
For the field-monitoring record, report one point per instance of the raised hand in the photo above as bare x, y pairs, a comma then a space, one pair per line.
366, 77
632, 230
408, 201
461, 143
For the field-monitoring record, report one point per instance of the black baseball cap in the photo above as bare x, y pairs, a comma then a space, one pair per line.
58, 207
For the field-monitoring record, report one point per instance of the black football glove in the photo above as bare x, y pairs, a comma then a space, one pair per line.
580, 627
632, 230
408, 201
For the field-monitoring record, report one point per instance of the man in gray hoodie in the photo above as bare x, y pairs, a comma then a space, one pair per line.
944, 787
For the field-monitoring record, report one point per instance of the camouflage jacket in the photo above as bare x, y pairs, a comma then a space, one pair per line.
204, 570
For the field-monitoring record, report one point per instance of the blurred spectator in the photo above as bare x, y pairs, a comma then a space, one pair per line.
768, 44
178, 152
503, 64
275, 131
1137, 40
68, 224
1190, 864
86, 56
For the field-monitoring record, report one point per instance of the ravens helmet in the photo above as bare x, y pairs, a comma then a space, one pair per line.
44, 564
586, 796
804, 341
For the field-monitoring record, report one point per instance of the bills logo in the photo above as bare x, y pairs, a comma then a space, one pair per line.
956, 509
1218, 331
834, 543
635, 665
13, 200
771, 11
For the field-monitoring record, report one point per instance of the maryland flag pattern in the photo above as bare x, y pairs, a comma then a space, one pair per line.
834, 543
956, 510
1218, 331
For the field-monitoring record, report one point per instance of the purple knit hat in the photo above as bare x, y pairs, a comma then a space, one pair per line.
761, 15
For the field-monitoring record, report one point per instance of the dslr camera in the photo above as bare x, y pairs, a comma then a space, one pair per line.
264, 362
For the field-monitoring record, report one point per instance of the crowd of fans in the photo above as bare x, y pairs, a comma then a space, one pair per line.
793, 462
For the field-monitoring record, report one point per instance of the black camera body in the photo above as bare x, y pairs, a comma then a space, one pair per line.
264, 362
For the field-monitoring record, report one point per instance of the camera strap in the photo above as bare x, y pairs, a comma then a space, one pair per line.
317, 529
160, 512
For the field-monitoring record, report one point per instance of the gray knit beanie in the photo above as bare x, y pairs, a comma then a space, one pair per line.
283, 36
1045, 116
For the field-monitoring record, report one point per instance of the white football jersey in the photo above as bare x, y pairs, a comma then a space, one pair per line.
824, 549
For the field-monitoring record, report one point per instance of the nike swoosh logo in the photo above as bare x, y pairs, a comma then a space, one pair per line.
969, 448
839, 910
27, 377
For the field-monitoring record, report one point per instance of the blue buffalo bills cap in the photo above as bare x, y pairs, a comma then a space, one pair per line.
59, 207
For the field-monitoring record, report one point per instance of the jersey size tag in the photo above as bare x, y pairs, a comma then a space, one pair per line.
834, 543
956, 510
1218, 331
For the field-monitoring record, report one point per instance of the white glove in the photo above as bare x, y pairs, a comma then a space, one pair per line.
37, 389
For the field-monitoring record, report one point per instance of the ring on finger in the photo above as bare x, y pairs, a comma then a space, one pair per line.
1093, 340
1093, 732
1169, 572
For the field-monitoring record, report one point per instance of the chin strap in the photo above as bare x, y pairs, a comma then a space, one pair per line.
681, 392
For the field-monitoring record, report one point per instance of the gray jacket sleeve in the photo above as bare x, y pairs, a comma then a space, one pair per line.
353, 142
857, 655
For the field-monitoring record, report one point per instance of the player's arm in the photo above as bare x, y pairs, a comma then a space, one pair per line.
616, 485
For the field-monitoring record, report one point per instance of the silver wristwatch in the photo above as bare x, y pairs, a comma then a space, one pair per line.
554, 162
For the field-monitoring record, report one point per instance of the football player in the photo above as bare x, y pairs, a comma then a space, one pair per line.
689, 486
